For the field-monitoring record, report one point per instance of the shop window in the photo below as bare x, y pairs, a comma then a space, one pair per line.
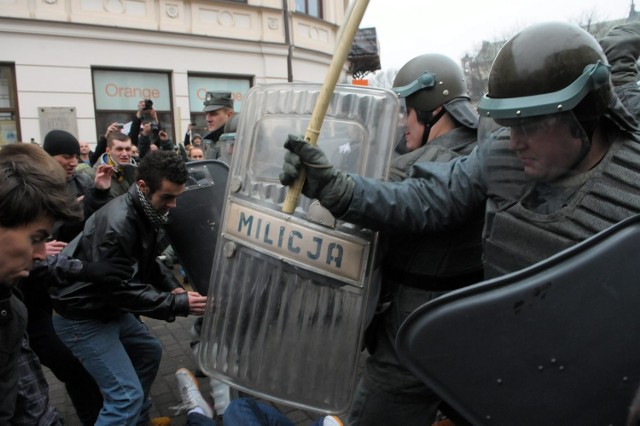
9, 123
117, 93
310, 7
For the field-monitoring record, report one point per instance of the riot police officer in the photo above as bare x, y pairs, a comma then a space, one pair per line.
441, 125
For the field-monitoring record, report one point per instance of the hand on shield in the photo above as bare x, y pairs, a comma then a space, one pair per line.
197, 303
324, 182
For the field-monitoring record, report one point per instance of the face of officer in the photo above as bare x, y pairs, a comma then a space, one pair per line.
216, 119
549, 146
414, 131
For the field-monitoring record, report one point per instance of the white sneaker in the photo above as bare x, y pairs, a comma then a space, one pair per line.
190, 393
221, 394
331, 421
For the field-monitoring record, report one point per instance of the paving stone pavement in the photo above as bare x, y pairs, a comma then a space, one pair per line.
175, 339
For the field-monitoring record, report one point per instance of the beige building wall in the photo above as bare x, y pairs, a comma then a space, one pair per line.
54, 44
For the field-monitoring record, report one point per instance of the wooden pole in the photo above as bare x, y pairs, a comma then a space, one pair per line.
326, 92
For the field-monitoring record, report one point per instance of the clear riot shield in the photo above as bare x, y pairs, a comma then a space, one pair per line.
292, 294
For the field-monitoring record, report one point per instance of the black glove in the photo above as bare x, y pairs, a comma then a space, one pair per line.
110, 272
324, 182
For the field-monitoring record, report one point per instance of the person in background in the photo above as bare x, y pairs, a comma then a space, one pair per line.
85, 153
102, 141
196, 154
196, 141
117, 156
190, 134
135, 154
218, 109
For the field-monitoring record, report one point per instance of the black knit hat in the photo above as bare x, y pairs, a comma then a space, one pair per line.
59, 142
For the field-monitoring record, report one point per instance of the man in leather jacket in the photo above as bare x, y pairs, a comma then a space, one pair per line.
99, 323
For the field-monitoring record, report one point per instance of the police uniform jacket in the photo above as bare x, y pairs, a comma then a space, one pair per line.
444, 195
121, 229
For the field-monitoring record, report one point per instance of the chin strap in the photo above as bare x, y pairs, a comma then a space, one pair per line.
428, 119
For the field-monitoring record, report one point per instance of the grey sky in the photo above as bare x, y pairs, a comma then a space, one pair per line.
407, 28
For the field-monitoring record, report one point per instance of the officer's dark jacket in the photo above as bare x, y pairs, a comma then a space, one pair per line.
121, 229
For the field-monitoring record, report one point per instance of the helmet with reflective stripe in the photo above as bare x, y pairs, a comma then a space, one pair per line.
546, 69
432, 80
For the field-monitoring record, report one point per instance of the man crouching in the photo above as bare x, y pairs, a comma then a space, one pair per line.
99, 324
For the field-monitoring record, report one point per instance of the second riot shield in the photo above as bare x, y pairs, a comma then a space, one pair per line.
555, 343
292, 294
194, 223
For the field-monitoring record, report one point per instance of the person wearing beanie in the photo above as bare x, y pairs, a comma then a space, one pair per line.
84, 393
65, 149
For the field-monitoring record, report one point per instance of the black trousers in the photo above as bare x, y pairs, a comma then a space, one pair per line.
53, 353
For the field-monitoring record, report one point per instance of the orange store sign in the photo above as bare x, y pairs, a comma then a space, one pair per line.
122, 90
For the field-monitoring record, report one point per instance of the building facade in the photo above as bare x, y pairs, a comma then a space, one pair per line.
80, 65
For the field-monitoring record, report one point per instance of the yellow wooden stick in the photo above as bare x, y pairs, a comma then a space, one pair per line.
326, 92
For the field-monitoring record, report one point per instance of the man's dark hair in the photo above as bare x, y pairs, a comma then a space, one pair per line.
158, 165
33, 185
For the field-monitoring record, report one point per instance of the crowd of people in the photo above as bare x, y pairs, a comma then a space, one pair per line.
474, 196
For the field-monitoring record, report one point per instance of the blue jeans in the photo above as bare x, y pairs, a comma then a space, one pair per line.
123, 358
249, 412
197, 419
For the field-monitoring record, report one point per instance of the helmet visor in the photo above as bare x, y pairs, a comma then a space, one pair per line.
593, 77
546, 148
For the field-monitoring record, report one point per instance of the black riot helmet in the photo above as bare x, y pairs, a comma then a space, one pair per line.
546, 69
428, 81
432, 80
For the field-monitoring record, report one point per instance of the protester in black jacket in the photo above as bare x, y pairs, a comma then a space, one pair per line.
98, 322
